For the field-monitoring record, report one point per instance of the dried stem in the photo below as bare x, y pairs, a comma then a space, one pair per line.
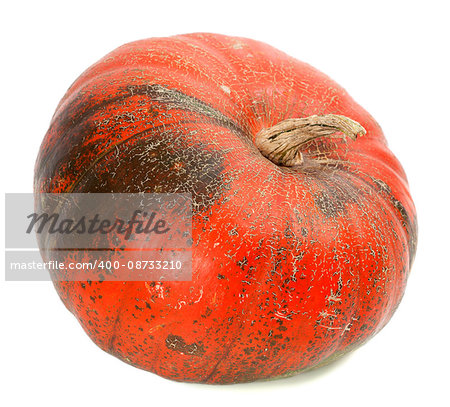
282, 143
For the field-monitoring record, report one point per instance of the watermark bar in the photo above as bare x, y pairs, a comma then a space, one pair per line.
98, 237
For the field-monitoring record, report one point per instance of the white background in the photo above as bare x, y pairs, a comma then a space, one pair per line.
392, 57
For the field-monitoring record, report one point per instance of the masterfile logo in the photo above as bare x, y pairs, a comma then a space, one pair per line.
116, 237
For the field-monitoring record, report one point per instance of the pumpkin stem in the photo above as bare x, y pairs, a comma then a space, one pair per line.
281, 143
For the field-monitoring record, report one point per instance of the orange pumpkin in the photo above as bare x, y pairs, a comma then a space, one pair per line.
304, 233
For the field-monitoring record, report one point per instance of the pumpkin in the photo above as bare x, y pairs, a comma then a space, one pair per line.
304, 230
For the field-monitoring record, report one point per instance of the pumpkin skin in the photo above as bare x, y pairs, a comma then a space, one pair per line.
292, 266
